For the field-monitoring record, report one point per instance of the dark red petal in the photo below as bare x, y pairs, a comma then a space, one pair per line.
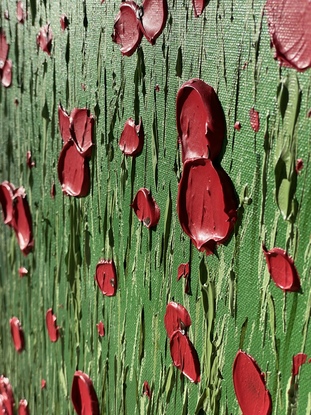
199, 6
146, 208
23, 408
6, 201
17, 334
64, 22
200, 120
183, 271
153, 18
6, 396
44, 38
132, 138
237, 126
299, 165
64, 124
254, 119
290, 32
73, 171
106, 277
249, 386
146, 389
176, 318
184, 356
22, 221
101, 329
83, 395
4, 49
6, 77
126, 31
206, 204
298, 360
81, 128
52, 328
282, 269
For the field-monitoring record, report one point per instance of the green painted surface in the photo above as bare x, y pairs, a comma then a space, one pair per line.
233, 303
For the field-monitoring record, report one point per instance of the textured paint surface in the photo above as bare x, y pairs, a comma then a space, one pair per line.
233, 302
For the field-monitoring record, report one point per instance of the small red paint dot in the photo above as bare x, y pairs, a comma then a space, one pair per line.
146, 389
101, 329
43, 383
299, 165
157, 88
22, 271
64, 22
237, 125
254, 119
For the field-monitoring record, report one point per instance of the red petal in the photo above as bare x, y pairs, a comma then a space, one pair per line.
153, 19
132, 138
23, 407
249, 386
185, 357
4, 49
81, 128
22, 221
254, 119
6, 396
206, 204
73, 171
6, 77
17, 334
52, 328
298, 360
146, 208
83, 395
106, 277
44, 38
101, 329
200, 120
199, 6
126, 31
176, 318
282, 269
64, 124
183, 271
6, 200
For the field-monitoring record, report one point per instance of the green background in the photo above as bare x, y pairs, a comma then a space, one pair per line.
232, 304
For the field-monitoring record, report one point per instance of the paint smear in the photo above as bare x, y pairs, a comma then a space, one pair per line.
200, 120
126, 31
282, 269
199, 6
101, 329
106, 277
132, 138
254, 119
176, 318
153, 19
45, 38
52, 328
206, 204
298, 360
184, 356
290, 32
23, 408
146, 208
299, 165
17, 334
6, 396
83, 395
237, 126
249, 386
146, 389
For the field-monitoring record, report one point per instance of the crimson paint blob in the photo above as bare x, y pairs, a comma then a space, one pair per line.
199, 6
132, 138
45, 38
23, 408
298, 360
106, 277
249, 386
83, 395
5, 63
101, 329
200, 120
290, 32
282, 269
6, 396
52, 328
127, 31
17, 334
7, 190
22, 271
64, 22
206, 204
176, 318
299, 165
153, 19
254, 119
146, 208
43, 383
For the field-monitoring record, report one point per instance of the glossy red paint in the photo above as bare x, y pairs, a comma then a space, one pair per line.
153, 19
64, 22
147, 390
22, 221
6, 74
6, 397
249, 386
176, 318
45, 38
101, 329
282, 269
83, 395
126, 31
52, 328
132, 138
237, 126
17, 334
20, 12
43, 383
206, 204
82, 129
29, 161
290, 32
106, 277
146, 208
4, 49
22, 271
7, 190
184, 356
298, 360
200, 120
23, 408
199, 6
73, 171
64, 124
299, 165
254, 119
